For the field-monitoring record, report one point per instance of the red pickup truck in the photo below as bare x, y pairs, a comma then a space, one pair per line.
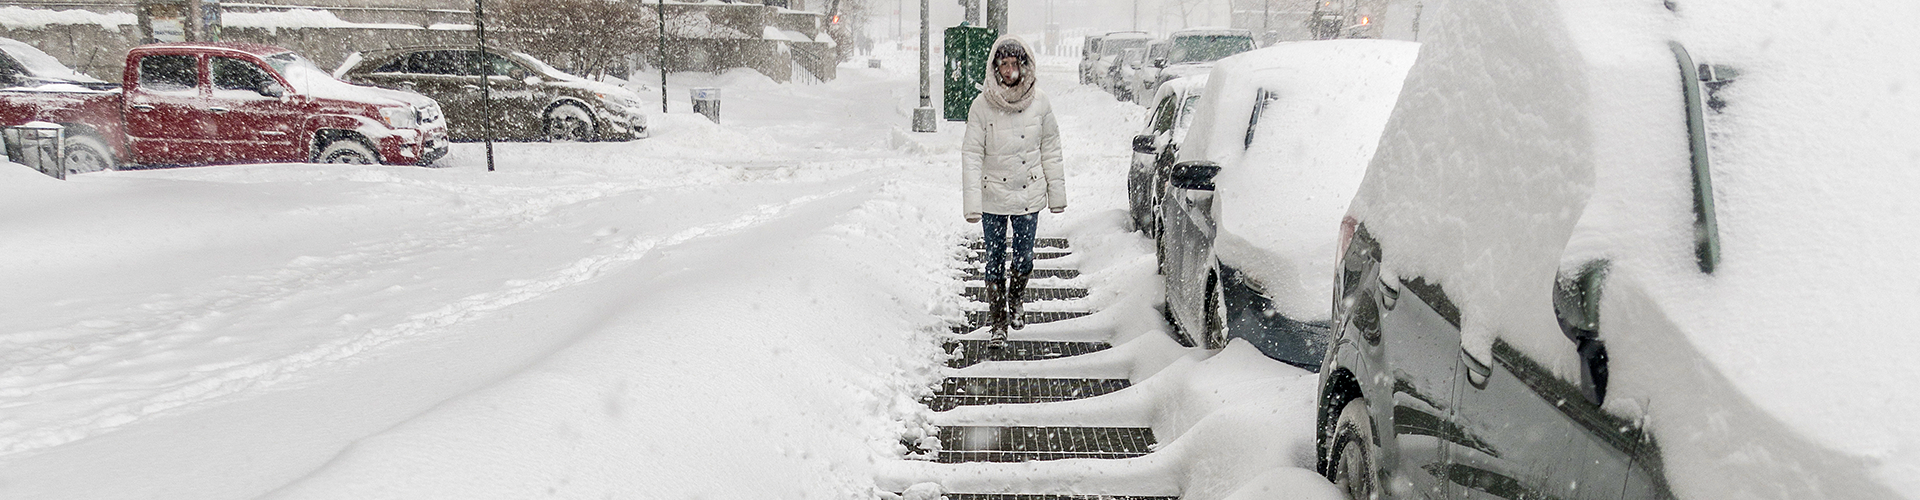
207, 103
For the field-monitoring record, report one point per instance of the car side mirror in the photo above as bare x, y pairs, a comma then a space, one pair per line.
532, 80
1159, 62
1576, 302
274, 90
1194, 175
1143, 144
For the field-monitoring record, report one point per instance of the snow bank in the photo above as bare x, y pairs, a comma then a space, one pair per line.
16, 17
301, 18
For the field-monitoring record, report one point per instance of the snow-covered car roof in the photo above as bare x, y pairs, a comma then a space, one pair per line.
1568, 140
1315, 110
1211, 32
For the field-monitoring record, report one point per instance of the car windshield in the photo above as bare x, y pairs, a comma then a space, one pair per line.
1205, 48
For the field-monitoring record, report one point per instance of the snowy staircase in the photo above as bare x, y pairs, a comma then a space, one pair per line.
1052, 296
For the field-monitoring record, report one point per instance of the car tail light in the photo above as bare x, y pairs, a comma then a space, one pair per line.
1347, 225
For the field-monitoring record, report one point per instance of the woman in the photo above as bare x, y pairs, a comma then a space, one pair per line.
1010, 169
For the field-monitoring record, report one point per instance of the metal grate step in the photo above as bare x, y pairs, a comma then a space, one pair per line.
1034, 294
968, 352
977, 257
1030, 496
974, 273
967, 391
1026, 444
977, 319
1038, 243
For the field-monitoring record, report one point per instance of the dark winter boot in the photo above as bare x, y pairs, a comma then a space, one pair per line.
1017, 300
997, 313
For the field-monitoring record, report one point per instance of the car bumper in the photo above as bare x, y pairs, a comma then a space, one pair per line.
623, 124
419, 148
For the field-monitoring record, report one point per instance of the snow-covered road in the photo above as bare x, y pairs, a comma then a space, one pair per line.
741, 310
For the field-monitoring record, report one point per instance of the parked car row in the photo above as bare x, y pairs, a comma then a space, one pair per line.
1132, 65
212, 103
1525, 220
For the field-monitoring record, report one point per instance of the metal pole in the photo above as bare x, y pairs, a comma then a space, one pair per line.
486, 74
660, 53
926, 56
923, 116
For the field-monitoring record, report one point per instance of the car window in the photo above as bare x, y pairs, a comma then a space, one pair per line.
1260, 102
1163, 115
1185, 118
501, 66
11, 72
169, 74
439, 62
238, 78
396, 65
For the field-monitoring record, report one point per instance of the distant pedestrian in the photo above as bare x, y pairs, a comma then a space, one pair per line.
1010, 169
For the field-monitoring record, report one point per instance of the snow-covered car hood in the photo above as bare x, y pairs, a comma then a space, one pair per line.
557, 78
314, 82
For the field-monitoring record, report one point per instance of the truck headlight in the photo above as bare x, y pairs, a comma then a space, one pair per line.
401, 117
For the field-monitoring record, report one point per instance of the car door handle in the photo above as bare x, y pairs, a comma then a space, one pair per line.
470, 87
142, 107
218, 109
272, 132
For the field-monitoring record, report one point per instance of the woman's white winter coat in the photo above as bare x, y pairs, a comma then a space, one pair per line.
1010, 161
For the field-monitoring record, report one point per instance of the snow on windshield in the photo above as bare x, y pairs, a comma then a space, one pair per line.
40, 64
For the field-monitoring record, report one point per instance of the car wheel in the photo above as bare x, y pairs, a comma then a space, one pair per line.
1215, 315
347, 151
1352, 468
569, 123
87, 154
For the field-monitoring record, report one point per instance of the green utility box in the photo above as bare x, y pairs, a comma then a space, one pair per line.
966, 66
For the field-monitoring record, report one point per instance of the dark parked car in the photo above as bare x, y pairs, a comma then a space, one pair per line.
530, 99
1156, 146
1281, 138
1494, 291
1089, 52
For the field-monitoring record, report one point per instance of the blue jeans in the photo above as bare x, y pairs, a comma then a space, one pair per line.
996, 231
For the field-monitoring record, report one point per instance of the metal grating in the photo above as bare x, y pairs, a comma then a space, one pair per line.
974, 273
967, 391
981, 244
1034, 294
968, 352
1026, 444
1030, 496
977, 257
977, 319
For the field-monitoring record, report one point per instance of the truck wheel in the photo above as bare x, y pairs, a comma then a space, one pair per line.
348, 151
87, 154
569, 123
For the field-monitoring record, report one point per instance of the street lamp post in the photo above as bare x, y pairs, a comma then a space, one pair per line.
660, 53
923, 119
486, 72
